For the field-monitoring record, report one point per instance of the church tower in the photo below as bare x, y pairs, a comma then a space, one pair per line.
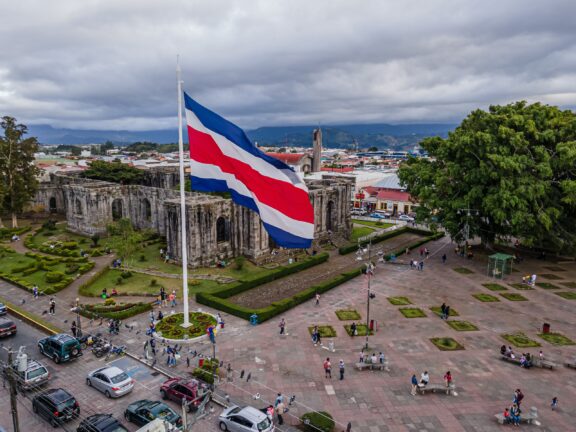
316, 150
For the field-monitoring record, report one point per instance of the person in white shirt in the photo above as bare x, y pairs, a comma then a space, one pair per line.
424, 379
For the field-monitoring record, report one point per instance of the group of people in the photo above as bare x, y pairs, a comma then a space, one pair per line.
164, 298
526, 359
529, 280
425, 380
414, 264
105, 295
380, 358
316, 338
165, 255
512, 414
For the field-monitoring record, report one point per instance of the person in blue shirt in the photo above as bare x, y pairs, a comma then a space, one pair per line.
414, 384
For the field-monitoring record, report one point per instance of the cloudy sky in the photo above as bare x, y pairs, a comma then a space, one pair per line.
110, 64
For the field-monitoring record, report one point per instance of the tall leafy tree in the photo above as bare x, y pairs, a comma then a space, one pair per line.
114, 172
18, 181
513, 165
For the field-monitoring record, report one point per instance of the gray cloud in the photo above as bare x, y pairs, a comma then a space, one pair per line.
111, 64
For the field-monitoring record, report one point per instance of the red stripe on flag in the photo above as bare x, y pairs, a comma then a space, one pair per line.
280, 195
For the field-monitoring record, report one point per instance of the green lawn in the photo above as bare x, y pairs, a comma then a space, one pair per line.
521, 286
360, 329
348, 315
494, 287
556, 339
438, 311
520, 340
378, 225
569, 295
514, 297
136, 284
547, 285
462, 270
462, 325
326, 331
569, 284
412, 312
446, 344
485, 298
550, 276
358, 232
399, 301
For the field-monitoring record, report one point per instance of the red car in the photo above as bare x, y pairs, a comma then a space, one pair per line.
176, 389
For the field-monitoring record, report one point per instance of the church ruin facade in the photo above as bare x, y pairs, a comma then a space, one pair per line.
217, 228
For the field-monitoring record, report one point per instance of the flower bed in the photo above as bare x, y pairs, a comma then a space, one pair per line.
494, 287
399, 301
462, 325
446, 344
546, 285
438, 311
485, 298
171, 326
326, 331
462, 270
521, 286
412, 312
556, 339
348, 315
360, 329
114, 311
520, 340
569, 295
514, 297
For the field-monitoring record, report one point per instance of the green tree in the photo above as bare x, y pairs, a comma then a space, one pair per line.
373, 149
514, 164
125, 240
116, 172
18, 182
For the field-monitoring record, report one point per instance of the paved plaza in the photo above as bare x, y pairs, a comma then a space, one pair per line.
375, 401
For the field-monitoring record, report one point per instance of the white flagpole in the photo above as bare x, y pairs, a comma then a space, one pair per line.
182, 203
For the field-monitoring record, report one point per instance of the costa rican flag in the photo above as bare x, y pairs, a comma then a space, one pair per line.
223, 159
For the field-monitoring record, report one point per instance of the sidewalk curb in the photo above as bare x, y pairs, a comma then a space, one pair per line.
30, 319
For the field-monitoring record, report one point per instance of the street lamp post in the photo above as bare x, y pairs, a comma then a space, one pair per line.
369, 296
468, 212
78, 322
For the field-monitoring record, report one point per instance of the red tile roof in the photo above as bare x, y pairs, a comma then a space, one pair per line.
338, 170
288, 158
393, 195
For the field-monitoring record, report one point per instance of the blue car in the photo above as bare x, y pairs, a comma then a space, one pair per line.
377, 216
144, 411
3, 310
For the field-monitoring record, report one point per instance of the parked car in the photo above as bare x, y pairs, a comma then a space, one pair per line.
3, 309
377, 215
406, 218
101, 423
176, 389
144, 411
7, 327
246, 419
56, 405
60, 347
110, 380
35, 375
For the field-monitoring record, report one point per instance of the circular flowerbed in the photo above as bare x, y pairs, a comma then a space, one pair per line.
171, 326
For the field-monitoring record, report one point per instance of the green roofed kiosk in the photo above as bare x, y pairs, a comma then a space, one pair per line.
499, 264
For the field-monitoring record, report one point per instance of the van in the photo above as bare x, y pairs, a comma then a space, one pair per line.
35, 375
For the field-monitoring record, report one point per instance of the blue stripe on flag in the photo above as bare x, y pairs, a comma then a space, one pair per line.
287, 240
223, 127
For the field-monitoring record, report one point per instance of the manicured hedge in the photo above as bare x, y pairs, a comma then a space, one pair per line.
83, 288
7, 233
119, 311
353, 247
320, 421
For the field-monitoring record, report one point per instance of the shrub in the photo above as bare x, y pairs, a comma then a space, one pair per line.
49, 225
142, 258
239, 262
125, 274
70, 245
95, 239
120, 311
119, 280
54, 276
153, 282
318, 421
109, 302
71, 268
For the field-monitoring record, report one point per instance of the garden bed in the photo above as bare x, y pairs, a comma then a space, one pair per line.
494, 287
555, 268
137, 284
568, 295
521, 286
556, 339
550, 276
446, 344
514, 297
520, 340
412, 312
462, 270
360, 329
399, 301
462, 325
171, 326
546, 285
325, 331
114, 310
487, 298
348, 315
568, 284
438, 311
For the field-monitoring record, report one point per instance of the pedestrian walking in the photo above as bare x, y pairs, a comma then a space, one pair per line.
518, 396
74, 329
414, 382
427, 253
421, 252
381, 358
282, 326
153, 346
444, 258
447, 313
421, 265
448, 381
172, 298
280, 409
361, 357
317, 299
353, 329
327, 368
278, 400
151, 316
554, 403
163, 297
35, 291
52, 310
443, 311
341, 368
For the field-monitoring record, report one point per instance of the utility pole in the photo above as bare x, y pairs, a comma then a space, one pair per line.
78, 321
469, 213
369, 271
13, 401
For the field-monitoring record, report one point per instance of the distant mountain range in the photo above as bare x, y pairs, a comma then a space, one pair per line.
384, 136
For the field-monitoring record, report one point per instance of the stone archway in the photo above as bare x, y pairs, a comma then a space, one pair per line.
146, 210
117, 209
330, 216
222, 231
78, 207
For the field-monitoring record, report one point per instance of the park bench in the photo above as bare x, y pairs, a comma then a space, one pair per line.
515, 360
373, 366
524, 418
570, 364
544, 363
433, 388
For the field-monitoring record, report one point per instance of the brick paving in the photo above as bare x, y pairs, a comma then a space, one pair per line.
381, 401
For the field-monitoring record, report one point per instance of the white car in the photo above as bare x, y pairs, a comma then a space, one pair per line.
406, 218
110, 380
247, 419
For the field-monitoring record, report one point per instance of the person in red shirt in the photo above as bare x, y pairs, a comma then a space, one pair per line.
448, 381
327, 368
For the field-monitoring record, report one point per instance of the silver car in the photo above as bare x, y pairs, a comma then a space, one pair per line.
247, 419
110, 380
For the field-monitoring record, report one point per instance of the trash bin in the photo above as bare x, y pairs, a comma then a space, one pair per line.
253, 319
200, 362
546, 328
371, 325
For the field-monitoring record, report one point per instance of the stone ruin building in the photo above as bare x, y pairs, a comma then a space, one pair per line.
217, 228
